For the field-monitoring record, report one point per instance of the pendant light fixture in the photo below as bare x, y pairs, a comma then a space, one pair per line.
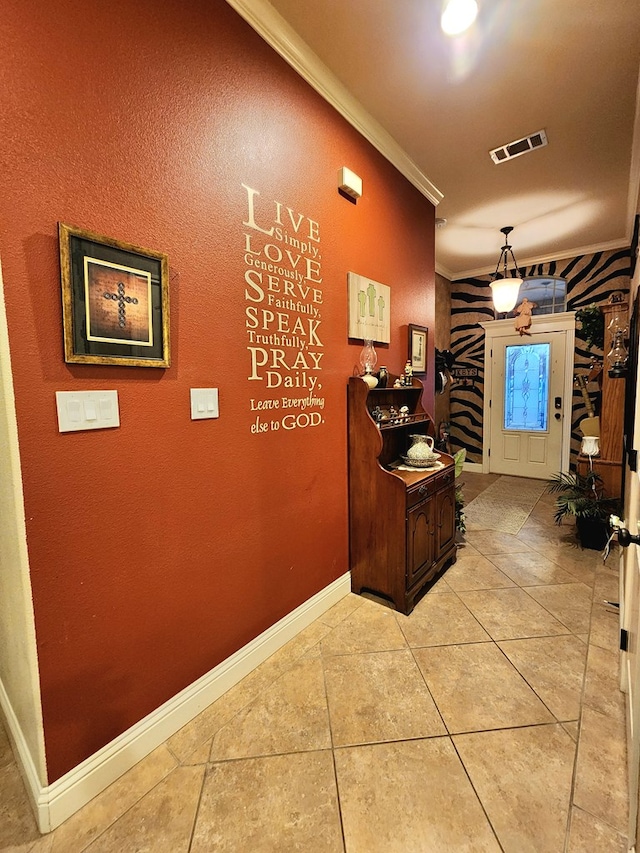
506, 286
457, 16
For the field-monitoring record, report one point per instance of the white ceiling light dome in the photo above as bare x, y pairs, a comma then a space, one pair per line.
458, 15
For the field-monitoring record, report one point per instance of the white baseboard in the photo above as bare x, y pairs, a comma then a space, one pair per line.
473, 466
58, 801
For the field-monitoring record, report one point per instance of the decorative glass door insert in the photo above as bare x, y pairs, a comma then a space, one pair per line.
526, 391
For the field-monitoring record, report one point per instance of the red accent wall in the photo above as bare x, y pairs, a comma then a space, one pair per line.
160, 548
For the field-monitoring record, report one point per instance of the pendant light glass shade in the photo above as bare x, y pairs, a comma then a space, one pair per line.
505, 288
457, 16
505, 294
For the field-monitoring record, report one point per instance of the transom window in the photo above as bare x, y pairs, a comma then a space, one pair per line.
548, 292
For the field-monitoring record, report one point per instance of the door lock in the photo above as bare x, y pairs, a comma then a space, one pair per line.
558, 403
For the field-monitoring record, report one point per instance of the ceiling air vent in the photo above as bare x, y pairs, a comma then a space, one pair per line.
520, 146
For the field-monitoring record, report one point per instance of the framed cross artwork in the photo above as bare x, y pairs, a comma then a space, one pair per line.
115, 301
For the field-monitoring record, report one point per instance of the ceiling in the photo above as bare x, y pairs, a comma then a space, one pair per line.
569, 67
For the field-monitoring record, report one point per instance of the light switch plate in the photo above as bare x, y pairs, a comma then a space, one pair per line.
80, 410
204, 403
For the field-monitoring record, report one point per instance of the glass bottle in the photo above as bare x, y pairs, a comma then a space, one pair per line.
368, 361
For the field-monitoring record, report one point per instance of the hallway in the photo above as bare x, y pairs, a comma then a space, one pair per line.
489, 720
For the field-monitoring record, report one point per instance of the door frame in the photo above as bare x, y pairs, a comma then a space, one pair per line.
542, 324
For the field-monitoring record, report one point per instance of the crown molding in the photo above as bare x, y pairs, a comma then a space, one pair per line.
622, 243
633, 200
272, 27
443, 271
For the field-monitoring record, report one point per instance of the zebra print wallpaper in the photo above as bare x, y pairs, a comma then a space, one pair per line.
590, 279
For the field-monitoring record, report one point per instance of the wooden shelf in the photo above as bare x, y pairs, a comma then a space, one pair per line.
608, 464
409, 420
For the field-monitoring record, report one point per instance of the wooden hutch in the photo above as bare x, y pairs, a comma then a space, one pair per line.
401, 522
608, 464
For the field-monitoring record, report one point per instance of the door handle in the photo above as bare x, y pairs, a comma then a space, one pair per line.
558, 416
625, 537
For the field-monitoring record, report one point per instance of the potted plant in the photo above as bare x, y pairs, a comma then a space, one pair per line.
581, 496
591, 322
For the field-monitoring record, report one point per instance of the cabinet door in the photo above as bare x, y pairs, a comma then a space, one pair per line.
420, 540
445, 511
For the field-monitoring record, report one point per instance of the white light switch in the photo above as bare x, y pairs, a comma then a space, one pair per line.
204, 403
78, 410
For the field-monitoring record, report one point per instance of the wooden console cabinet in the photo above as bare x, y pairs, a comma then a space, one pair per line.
401, 523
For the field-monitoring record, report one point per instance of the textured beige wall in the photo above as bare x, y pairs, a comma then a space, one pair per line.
442, 340
19, 682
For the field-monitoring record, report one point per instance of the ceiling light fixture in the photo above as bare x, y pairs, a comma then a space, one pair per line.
506, 288
457, 16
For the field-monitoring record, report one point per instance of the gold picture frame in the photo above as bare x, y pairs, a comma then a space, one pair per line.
115, 301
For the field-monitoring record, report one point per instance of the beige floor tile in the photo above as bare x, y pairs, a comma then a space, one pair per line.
465, 549
263, 805
510, 614
441, 620
523, 779
290, 716
379, 697
6, 753
602, 683
601, 783
17, 823
605, 628
334, 615
540, 533
370, 628
531, 569
590, 835
570, 603
554, 667
163, 820
410, 797
439, 586
572, 729
200, 754
476, 572
190, 738
493, 542
80, 829
44, 845
476, 688
607, 584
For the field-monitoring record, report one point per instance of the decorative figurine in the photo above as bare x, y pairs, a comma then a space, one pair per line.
523, 321
376, 414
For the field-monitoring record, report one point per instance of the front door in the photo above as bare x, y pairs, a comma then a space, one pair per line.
527, 389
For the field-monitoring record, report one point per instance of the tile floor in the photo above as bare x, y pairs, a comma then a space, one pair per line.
488, 720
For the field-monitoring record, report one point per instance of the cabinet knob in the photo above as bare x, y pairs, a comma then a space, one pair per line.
423, 489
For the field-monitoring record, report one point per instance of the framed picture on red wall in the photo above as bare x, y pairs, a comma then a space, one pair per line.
115, 301
417, 353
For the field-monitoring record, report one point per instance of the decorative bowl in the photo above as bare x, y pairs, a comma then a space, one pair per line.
422, 463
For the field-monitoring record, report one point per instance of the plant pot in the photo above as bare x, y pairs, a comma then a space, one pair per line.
593, 533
